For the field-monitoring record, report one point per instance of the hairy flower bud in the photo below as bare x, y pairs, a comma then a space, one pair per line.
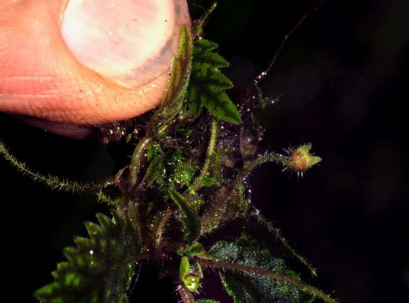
302, 159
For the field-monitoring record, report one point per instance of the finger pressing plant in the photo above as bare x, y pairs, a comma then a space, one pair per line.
187, 178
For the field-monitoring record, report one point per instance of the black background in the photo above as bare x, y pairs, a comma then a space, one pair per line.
343, 83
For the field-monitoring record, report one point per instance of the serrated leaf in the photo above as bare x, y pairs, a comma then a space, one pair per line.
223, 108
190, 219
100, 268
154, 172
180, 73
248, 288
207, 84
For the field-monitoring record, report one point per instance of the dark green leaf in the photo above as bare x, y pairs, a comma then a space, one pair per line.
248, 288
195, 249
183, 171
173, 101
190, 219
207, 84
100, 268
154, 172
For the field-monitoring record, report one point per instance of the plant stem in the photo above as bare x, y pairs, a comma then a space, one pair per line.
198, 26
185, 295
263, 272
136, 162
225, 196
161, 226
273, 157
209, 157
276, 232
51, 181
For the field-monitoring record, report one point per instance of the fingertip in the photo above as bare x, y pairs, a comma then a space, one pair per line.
42, 76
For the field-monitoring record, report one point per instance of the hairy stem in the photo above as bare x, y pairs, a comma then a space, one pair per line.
225, 196
209, 157
277, 158
51, 181
267, 273
198, 26
276, 232
185, 295
136, 161
161, 226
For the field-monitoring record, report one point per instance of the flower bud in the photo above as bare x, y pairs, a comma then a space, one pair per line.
302, 159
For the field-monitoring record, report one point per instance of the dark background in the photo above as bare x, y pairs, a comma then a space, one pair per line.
343, 83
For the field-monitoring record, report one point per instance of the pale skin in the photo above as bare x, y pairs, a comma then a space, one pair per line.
86, 62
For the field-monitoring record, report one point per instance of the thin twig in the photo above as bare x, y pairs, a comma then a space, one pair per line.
283, 43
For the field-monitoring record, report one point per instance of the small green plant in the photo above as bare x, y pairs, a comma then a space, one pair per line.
187, 178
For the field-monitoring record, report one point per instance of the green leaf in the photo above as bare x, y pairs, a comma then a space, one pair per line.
248, 288
154, 172
196, 249
100, 268
207, 84
190, 219
184, 267
190, 274
183, 171
173, 100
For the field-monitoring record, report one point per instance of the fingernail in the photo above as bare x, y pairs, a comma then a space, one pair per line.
129, 42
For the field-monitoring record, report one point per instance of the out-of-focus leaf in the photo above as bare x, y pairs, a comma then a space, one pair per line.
193, 250
154, 172
190, 220
100, 268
